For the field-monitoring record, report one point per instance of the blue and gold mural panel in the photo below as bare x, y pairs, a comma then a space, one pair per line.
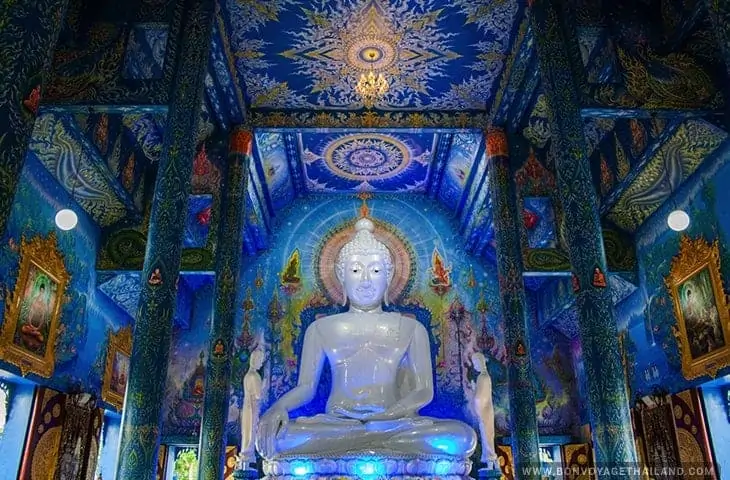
463, 155
63, 148
671, 165
182, 407
371, 161
272, 167
144, 57
435, 55
109, 55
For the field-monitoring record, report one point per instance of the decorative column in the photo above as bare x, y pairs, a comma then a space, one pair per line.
228, 263
28, 35
141, 420
607, 398
523, 413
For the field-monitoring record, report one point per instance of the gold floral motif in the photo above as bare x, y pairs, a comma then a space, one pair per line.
698, 327
32, 313
120, 349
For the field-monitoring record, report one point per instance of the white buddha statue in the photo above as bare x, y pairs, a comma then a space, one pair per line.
368, 411
484, 408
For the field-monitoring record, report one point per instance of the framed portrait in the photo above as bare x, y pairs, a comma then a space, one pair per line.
32, 310
116, 371
700, 307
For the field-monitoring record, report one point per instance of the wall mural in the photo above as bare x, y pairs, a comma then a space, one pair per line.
182, 407
318, 52
462, 157
86, 316
672, 164
454, 295
652, 315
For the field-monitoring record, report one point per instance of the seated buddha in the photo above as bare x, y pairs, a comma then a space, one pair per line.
381, 376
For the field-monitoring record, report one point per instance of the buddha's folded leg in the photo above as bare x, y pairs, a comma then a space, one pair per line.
435, 437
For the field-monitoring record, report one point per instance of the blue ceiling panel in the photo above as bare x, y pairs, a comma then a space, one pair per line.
367, 161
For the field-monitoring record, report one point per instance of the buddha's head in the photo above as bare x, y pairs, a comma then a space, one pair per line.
479, 362
365, 268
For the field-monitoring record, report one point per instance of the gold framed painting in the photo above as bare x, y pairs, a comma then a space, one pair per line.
700, 307
33, 309
116, 371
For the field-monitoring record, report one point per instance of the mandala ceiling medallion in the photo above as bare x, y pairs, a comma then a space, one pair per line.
369, 51
367, 157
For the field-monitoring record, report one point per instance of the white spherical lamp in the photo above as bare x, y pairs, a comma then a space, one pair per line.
66, 219
678, 220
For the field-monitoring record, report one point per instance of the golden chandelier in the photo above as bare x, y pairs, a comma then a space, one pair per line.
371, 87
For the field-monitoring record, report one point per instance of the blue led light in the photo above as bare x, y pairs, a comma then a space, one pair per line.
300, 469
369, 468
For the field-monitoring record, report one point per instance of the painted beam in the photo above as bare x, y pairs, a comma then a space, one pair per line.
512, 75
465, 119
438, 166
609, 112
296, 169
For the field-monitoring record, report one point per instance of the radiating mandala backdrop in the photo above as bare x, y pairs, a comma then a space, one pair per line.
367, 161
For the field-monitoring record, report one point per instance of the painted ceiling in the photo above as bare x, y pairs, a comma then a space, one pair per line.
436, 55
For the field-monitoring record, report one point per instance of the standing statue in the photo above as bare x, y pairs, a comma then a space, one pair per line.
368, 410
484, 407
252, 391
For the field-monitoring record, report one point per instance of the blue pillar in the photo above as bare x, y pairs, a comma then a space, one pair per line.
520, 376
607, 399
141, 419
28, 35
228, 262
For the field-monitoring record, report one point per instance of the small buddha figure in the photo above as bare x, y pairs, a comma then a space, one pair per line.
599, 279
484, 408
371, 408
252, 391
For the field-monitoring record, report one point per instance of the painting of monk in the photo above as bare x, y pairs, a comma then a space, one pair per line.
37, 307
120, 372
702, 320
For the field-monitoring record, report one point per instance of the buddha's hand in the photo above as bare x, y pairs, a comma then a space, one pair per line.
271, 423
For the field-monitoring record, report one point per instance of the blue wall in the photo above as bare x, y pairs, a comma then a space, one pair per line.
12, 440
705, 197
87, 315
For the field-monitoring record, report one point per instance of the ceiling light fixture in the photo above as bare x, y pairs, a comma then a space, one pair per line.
66, 218
678, 220
371, 86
